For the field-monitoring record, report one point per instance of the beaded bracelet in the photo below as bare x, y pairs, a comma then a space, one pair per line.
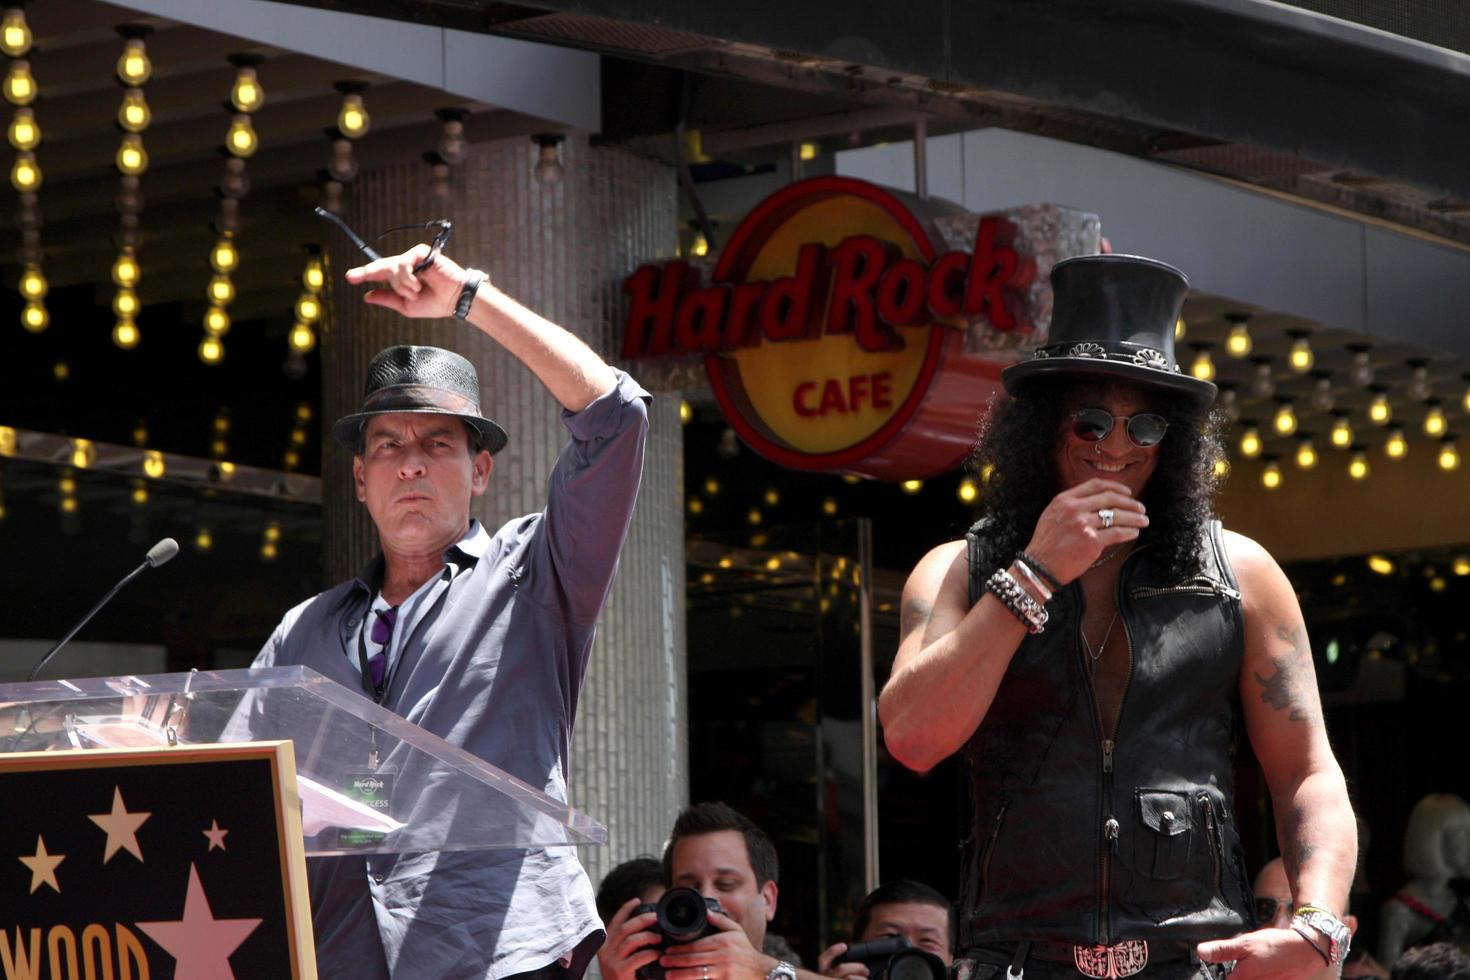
1017, 600
1040, 569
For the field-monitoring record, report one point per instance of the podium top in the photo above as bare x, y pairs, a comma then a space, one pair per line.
370, 781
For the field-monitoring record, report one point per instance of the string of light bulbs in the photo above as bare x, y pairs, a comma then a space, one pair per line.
133, 116
241, 141
24, 133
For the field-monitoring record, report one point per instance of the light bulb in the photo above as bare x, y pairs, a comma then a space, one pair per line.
216, 321
1222, 468
25, 174
1379, 410
224, 257
204, 539
34, 317
24, 133
1322, 396
132, 159
140, 492
246, 94
911, 487
1228, 402
15, 33
1285, 420
1342, 432
548, 168
83, 455
32, 283
1461, 566
1362, 371
133, 115
1381, 565
125, 334
1203, 368
133, 67
1263, 385
353, 119
1250, 442
302, 338
125, 304
1301, 357
968, 491
313, 278
1358, 467
1306, 454
1180, 328
211, 350
153, 464
241, 139
701, 245
1419, 388
308, 308
1449, 456
20, 84
1271, 475
221, 290
1238, 341
1397, 447
125, 270
1434, 421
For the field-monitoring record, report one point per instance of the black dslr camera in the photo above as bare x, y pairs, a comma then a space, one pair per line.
683, 916
895, 958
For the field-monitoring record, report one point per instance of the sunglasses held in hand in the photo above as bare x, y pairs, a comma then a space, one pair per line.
441, 237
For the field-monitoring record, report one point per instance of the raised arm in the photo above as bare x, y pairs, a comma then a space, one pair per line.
951, 657
573, 373
1283, 715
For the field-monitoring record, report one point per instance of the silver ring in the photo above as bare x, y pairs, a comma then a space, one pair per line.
1106, 516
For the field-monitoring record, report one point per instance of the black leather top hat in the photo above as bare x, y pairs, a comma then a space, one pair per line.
427, 380
1113, 316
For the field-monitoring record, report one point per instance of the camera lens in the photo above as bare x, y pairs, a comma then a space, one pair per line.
682, 915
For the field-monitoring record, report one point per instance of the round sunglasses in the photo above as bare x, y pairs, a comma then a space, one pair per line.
1095, 424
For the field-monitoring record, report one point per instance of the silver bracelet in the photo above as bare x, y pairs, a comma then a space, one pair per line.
1017, 600
1039, 585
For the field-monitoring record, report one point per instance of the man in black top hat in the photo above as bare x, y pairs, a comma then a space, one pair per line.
479, 636
1093, 647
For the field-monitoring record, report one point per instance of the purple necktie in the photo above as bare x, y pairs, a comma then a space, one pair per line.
381, 634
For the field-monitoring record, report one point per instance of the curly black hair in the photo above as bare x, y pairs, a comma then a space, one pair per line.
1017, 448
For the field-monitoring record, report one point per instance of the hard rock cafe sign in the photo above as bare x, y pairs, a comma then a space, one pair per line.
840, 331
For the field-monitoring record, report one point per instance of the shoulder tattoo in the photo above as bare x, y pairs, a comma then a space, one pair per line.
1289, 687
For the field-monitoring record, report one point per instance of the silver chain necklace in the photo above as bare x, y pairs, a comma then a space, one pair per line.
1095, 655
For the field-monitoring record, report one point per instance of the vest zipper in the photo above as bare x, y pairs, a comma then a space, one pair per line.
990, 848
1217, 844
1199, 585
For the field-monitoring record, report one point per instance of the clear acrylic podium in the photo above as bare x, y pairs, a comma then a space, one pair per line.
370, 782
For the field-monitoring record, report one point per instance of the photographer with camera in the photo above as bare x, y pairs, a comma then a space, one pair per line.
894, 920
729, 862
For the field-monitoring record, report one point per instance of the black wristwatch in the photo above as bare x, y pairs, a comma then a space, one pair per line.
473, 278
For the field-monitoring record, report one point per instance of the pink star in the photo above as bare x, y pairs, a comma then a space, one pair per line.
216, 835
199, 943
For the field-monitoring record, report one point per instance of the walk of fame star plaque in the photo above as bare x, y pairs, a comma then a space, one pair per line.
183, 862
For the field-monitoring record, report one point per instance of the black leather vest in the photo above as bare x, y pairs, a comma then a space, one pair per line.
1083, 836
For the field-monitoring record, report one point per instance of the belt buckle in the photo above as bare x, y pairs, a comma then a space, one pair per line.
1111, 962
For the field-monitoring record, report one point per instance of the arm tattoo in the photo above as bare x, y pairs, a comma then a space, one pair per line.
916, 613
1285, 690
1296, 852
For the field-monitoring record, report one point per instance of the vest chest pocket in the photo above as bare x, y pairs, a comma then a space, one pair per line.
1164, 841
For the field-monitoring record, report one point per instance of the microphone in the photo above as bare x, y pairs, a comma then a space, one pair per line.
157, 555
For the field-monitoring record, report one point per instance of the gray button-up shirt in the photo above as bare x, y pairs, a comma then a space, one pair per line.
494, 664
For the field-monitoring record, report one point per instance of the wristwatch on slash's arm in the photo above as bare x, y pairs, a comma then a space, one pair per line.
782, 971
1328, 934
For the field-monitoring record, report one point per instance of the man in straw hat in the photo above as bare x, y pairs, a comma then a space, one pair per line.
1092, 647
480, 637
